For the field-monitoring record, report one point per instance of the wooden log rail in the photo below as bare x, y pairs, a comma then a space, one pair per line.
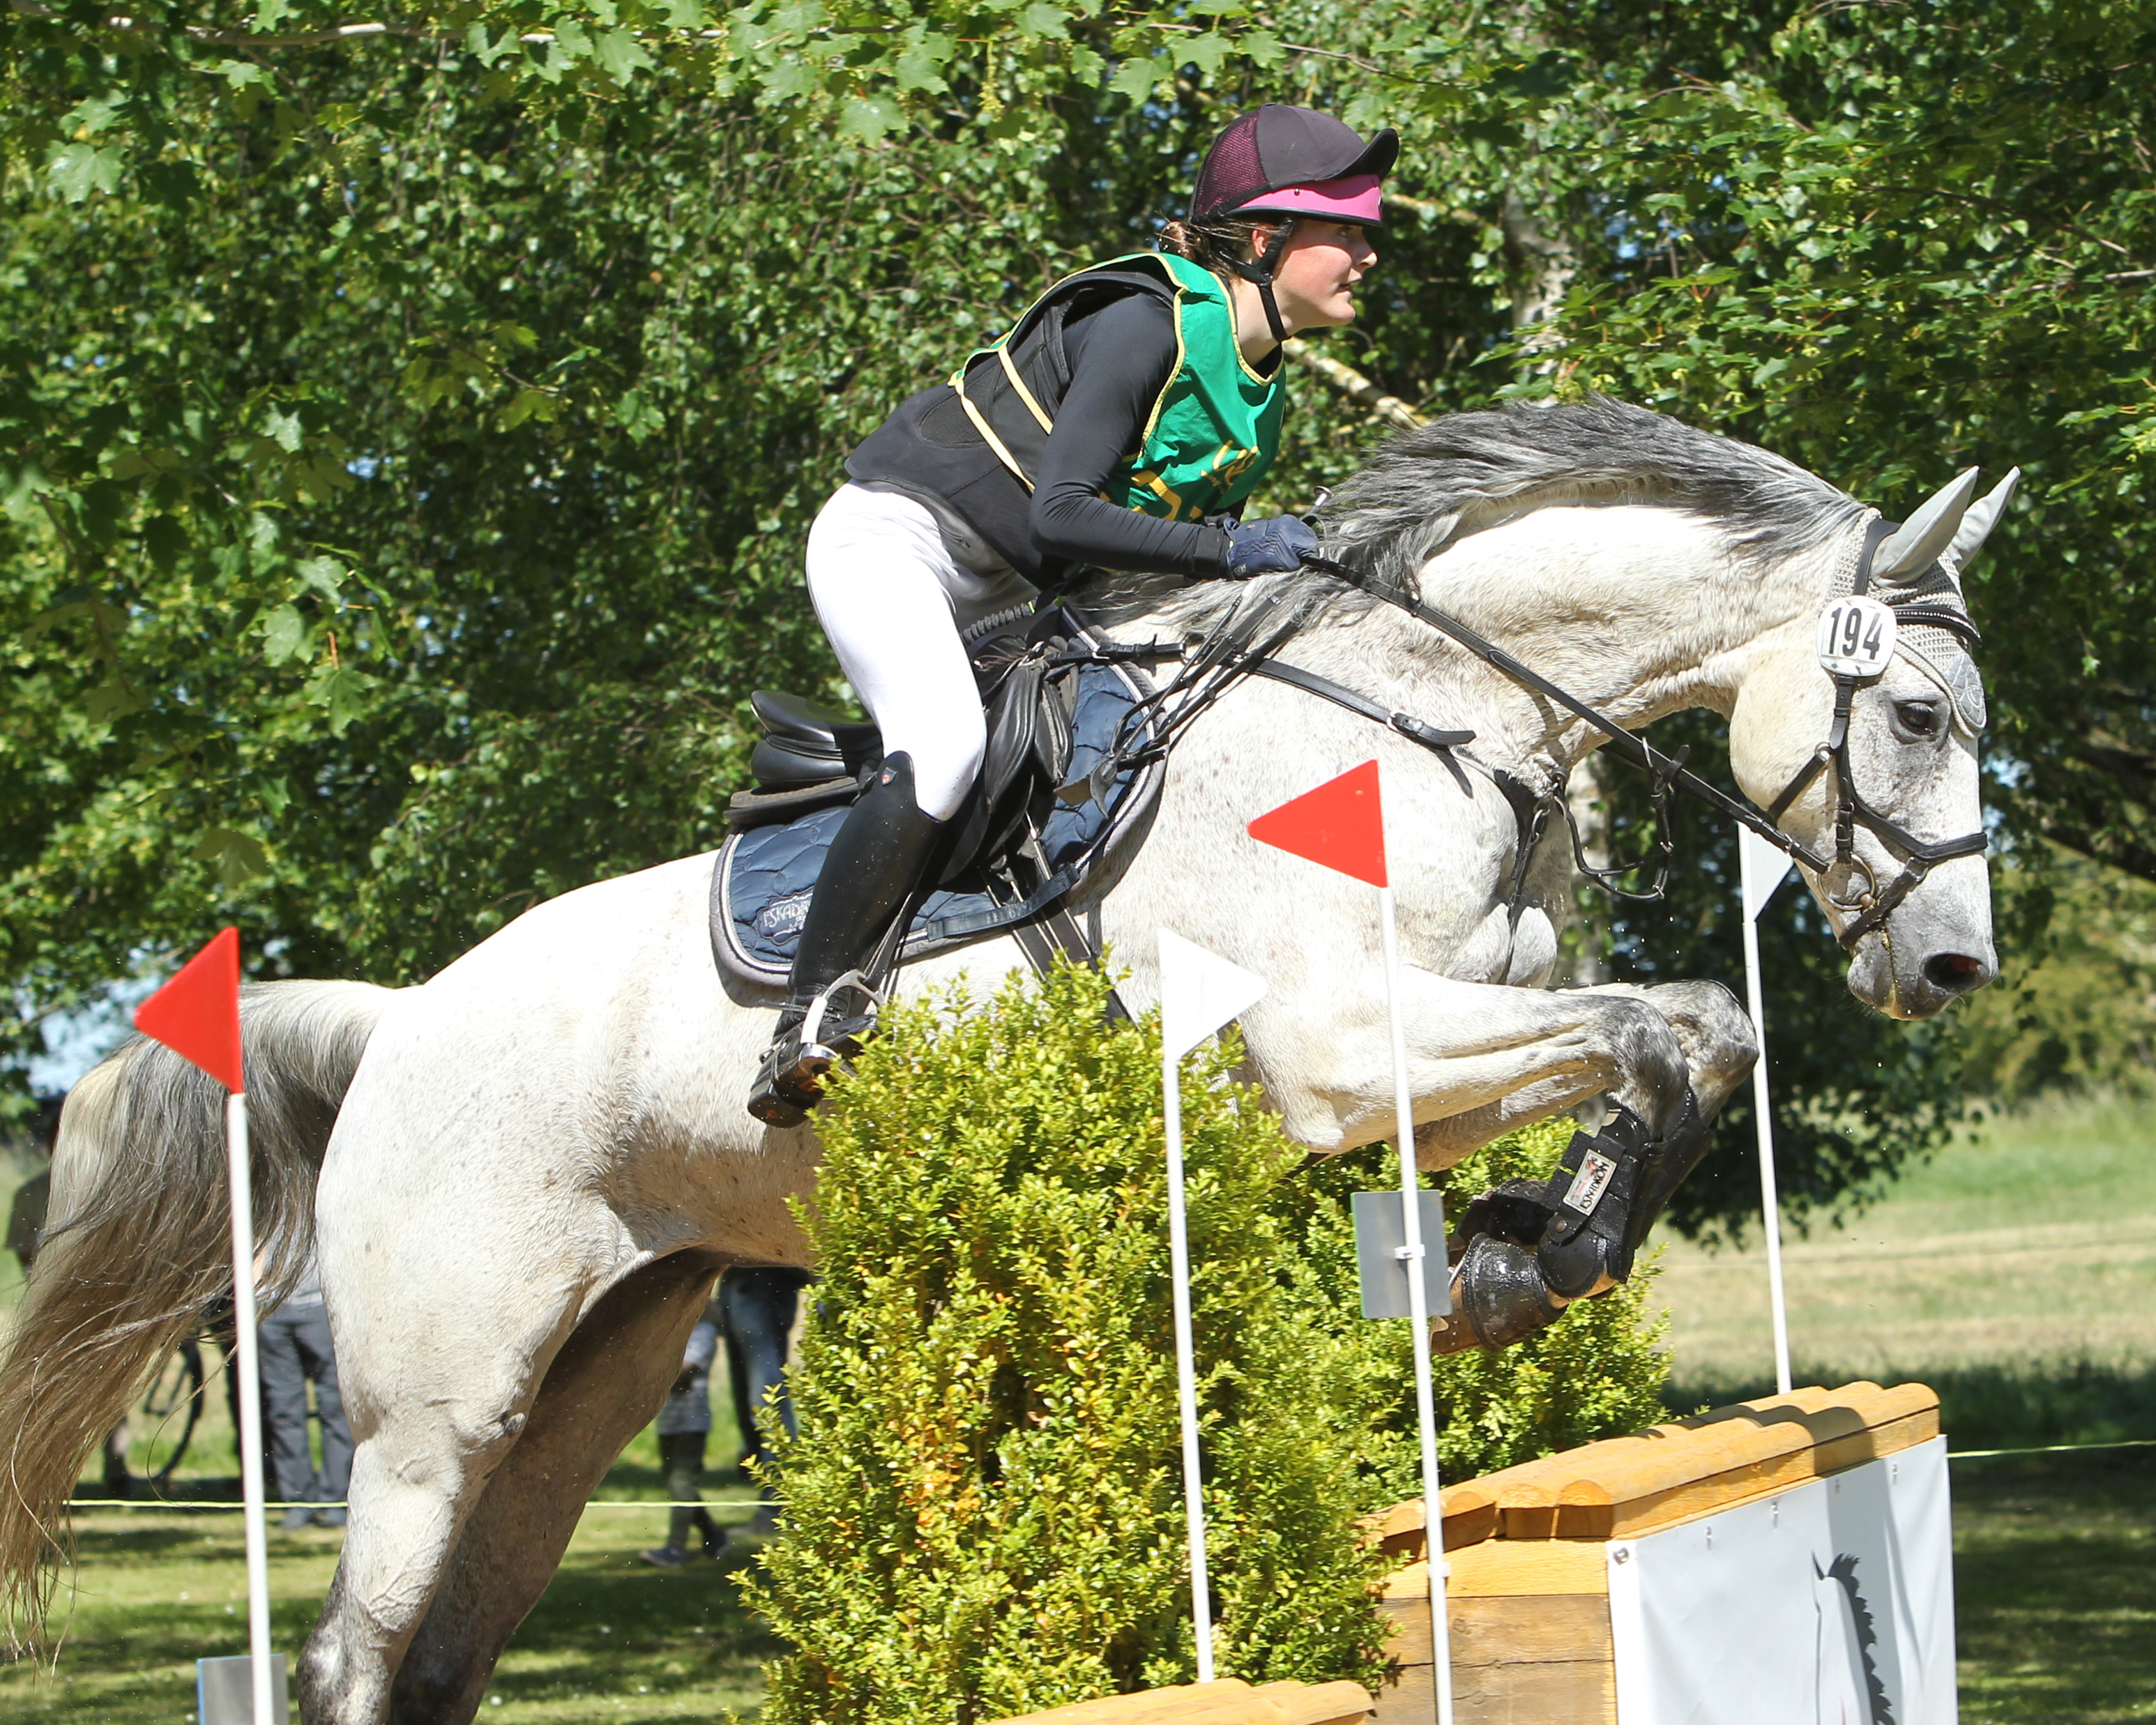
1229, 1701
1529, 1584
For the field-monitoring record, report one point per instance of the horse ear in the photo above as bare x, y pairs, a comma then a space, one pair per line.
1976, 525
1915, 545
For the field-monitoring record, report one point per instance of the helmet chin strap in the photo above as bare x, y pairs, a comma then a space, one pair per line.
1259, 273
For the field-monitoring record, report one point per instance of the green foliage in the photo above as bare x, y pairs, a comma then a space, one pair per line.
984, 1509
983, 1504
407, 441
1597, 1373
2080, 1014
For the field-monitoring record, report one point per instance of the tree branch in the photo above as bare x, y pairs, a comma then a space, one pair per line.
1346, 380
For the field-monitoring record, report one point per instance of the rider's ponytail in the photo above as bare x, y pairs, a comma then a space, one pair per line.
1217, 245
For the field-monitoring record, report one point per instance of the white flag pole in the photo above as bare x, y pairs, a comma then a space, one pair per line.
250, 1404
1760, 873
1198, 993
1432, 1514
1186, 1371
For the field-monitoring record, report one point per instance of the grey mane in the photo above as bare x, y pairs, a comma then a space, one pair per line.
1467, 472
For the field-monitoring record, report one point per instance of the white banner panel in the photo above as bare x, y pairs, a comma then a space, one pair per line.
1830, 1605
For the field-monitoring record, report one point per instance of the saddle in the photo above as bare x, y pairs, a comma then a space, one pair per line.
1057, 695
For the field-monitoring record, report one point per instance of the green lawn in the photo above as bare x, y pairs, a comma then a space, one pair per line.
612, 1639
2015, 1273
2054, 1581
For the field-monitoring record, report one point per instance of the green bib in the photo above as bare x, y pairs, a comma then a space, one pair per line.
1214, 428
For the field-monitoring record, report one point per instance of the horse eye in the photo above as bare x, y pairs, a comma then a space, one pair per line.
1919, 718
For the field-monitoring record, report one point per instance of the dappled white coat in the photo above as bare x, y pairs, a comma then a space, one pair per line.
545, 1154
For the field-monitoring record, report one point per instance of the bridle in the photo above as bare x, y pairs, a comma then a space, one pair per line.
1917, 857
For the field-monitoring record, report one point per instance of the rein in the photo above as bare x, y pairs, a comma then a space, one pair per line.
1243, 645
1917, 856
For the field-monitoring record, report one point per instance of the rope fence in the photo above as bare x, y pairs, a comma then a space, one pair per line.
196, 1505
2050, 1450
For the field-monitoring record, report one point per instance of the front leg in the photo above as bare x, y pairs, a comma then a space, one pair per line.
1528, 1248
1714, 1037
1485, 1056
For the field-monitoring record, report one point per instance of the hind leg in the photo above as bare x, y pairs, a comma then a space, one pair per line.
604, 1386
445, 1324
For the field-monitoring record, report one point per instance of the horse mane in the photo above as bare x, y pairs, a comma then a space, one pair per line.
1465, 473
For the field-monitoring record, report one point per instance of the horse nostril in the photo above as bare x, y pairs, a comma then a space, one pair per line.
1955, 973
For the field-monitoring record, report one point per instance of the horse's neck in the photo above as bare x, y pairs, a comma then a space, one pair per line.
1639, 612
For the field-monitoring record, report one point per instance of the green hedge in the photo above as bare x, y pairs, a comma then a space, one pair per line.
984, 1505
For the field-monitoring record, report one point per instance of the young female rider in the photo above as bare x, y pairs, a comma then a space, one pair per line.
1119, 425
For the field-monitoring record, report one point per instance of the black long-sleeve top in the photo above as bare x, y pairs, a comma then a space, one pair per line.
1120, 360
1121, 357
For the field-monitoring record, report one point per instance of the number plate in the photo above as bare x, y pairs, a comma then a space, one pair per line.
1855, 638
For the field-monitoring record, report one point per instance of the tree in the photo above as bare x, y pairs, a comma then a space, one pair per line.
407, 438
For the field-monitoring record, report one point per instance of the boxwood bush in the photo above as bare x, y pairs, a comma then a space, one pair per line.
983, 1505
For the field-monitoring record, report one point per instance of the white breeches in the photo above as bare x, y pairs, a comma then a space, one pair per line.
896, 599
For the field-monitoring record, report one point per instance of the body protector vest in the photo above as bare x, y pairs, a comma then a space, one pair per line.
975, 442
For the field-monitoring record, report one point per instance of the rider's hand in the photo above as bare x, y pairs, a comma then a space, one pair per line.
1269, 547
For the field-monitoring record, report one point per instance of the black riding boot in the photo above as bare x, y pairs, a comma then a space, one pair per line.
875, 864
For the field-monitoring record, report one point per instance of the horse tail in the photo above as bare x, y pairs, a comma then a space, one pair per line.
138, 1243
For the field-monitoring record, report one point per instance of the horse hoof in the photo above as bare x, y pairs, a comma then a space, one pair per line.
1498, 1298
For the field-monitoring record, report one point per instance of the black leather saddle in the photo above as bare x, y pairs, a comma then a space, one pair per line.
1058, 700
805, 743
811, 756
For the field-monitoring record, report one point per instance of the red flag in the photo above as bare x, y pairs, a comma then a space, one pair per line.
1341, 825
197, 1014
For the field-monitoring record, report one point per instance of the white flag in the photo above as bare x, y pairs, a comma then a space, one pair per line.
1764, 867
1198, 993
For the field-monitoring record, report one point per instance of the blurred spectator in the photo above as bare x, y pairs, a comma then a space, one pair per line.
685, 1427
760, 1306
26, 1219
293, 1343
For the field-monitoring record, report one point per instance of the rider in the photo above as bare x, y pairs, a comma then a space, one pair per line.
1119, 424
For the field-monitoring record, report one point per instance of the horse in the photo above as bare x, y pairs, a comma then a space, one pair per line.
523, 1173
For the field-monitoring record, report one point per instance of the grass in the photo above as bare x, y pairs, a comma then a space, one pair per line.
2012, 1273
2054, 1583
611, 1639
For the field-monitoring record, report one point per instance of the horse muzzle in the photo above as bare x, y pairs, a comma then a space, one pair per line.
1918, 964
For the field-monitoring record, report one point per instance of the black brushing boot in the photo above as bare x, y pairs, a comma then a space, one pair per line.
875, 864
1528, 1249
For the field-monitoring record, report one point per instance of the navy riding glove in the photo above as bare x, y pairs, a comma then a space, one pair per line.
1269, 547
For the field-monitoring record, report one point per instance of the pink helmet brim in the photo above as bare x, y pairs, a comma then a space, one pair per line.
1358, 198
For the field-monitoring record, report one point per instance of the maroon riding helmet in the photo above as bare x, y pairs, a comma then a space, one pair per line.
1290, 163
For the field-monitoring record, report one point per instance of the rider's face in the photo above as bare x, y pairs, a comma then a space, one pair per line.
1315, 282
